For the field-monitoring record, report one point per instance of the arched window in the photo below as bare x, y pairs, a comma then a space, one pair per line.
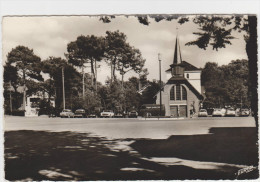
178, 92
172, 93
184, 93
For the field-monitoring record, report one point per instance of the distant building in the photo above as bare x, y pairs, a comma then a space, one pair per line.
182, 93
32, 103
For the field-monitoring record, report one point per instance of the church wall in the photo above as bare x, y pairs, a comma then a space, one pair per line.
191, 100
194, 78
196, 85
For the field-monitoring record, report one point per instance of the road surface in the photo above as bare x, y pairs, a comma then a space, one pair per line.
121, 128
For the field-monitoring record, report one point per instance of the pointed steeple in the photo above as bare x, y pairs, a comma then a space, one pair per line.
177, 67
177, 59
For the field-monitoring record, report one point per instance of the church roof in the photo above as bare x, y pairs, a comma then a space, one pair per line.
182, 80
187, 67
177, 59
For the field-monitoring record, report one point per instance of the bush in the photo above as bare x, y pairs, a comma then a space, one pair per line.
18, 113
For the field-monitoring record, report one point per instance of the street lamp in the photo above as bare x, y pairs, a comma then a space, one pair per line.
159, 58
63, 88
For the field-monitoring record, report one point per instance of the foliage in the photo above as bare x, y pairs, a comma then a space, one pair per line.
22, 66
215, 30
226, 85
121, 56
45, 107
72, 79
11, 76
148, 96
86, 49
27, 64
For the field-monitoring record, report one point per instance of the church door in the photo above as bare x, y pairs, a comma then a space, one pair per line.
174, 111
183, 111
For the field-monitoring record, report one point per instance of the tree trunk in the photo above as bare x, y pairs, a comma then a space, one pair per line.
114, 69
122, 81
96, 75
111, 74
251, 49
92, 72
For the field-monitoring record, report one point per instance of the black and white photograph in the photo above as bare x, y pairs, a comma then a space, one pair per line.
130, 97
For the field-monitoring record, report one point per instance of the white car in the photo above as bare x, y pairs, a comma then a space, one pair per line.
107, 114
203, 113
223, 111
230, 112
66, 113
217, 112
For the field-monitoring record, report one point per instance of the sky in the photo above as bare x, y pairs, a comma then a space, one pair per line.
49, 36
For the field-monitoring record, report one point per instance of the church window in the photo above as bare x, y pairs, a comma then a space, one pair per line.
184, 93
178, 92
172, 93
188, 75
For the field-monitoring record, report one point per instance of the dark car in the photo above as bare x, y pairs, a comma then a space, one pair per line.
244, 112
92, 115
80, 113
133, 114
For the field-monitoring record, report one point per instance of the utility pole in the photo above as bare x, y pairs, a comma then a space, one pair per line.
159, 57
96, 75
63, 89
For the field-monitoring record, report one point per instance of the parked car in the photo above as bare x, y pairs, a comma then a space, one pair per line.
133, 114
223, 112
66, 113
107, 114
230, 112
217, 112
119, 115
244, 112
93, 115
80, 113
203, 113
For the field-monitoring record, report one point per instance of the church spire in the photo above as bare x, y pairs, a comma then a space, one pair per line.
177, 59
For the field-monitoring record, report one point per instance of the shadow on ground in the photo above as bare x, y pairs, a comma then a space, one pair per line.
223, 145
42, 155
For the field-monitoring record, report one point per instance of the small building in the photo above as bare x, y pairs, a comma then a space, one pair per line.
181, 95
32, 103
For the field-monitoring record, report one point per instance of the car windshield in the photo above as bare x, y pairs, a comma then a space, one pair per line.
203, 110
107, 111
66, 110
